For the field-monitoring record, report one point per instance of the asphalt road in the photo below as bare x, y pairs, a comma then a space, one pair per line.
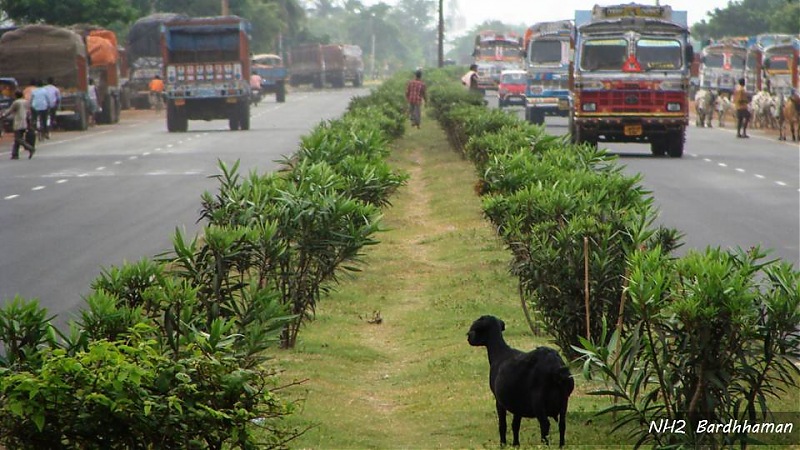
118, 192
725, 191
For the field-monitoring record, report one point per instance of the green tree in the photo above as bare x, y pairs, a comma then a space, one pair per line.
754, 16
68, 12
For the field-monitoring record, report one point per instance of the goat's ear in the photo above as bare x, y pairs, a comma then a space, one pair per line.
502, 326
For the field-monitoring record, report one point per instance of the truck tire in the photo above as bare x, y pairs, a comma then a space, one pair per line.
675, 143
233, 121
172, 118
83, 116
280, 92
658, 146
244, 116
535, 117
581, 137
104, 116
318, 82
359, 80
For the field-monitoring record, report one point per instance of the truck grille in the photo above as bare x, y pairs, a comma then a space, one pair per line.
638, 101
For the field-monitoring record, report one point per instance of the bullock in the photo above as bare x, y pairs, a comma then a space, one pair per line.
724, 106
704, 107
791, 116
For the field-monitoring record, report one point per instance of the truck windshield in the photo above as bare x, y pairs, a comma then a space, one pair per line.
778, 63
659, 54
737, 61
714, 60
488, 51
545, 52
604, 54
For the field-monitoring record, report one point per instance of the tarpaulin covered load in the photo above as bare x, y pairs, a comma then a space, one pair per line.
42, 51
105, 34
144, 37
101, 51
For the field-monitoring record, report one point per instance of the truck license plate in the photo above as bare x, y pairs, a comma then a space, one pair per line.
633, 130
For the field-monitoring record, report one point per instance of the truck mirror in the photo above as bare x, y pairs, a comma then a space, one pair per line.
689, 55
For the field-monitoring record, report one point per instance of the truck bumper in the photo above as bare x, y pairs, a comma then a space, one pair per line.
628, 129
208, 108
549, 106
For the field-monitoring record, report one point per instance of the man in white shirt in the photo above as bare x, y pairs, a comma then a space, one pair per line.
53, 99
40, 108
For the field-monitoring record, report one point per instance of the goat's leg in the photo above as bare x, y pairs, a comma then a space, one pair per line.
544, 428
562, 425
515, 423
501, 423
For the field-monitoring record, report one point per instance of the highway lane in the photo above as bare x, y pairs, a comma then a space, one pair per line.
725, 191
117, 193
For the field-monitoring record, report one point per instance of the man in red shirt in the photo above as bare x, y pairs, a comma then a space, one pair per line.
415, 95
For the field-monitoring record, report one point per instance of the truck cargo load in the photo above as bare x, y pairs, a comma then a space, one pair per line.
38, 52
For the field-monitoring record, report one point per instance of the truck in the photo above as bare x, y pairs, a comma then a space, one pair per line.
38, 52
722, 63
780, 62
495, 52
343, 64
548, 49
104, 69
631, 77
273, 74
143, 55
206, 66
307, 65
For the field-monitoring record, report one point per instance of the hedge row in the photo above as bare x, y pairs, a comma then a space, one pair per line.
712, 335
170, 352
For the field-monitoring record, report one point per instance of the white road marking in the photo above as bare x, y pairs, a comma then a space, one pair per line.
706, 160
10, 197
722, 164
740, 170
759, 176
61, 181
133, 157
780, 183
158, 149
116, 163
100, 168
37, 188
169, 145
146, 154
82, 175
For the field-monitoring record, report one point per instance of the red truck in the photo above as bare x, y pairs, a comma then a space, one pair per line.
38, 52
207, 71
318, 65
631, 77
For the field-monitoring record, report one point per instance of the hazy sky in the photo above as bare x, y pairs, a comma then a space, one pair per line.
530, 11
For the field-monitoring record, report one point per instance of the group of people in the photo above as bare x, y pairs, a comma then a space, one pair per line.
416, 92
33, 114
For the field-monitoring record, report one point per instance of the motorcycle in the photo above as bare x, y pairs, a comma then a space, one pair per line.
255, 96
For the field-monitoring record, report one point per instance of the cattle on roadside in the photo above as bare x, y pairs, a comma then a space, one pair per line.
723, 106
790, 116
704, 107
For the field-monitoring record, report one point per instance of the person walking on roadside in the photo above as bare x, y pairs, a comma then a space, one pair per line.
40, 107
470, 79
54, 99
93, 103
741, 101
156, 92
415, 95
20, 112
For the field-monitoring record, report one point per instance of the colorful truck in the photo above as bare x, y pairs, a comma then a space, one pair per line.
631, 77
307, 65
273, 74
104, 70
722, 64
38, 52
143, 55
495, 52
548, 49
780, 62
207, 71
343, 64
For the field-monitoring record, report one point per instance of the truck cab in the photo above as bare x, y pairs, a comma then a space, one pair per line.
273, 74
548, 49
631, 77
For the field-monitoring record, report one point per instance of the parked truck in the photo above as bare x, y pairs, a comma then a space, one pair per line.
273, 74
631, 77
144, 60
307, 65
722, 63
104, 70
548, 49
207, 71
38, 52
495, 52
781, 66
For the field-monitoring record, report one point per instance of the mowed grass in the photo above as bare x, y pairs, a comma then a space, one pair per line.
412, 381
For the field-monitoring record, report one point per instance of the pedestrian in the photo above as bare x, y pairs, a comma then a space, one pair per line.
470, 79
20, 111
415, 95
156, 92
93, 104
54, 99
741, 101
40, 107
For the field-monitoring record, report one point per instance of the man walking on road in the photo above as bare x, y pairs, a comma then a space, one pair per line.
20, 112
741, 101
415, 95
157, 92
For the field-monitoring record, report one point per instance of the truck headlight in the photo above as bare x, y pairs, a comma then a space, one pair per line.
673, 106
589, 106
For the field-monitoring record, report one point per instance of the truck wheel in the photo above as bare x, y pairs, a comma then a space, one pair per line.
172, 118
244, 116
83, 116
581, 137
317, 82
233, 121
536, 117
658, 146
359, 80
675, 143
280, 93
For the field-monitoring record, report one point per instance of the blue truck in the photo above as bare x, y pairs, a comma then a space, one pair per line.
273, 74
207, 71
548, 48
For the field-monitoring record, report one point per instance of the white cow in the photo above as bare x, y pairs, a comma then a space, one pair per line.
724, 106
764, 106
704, 107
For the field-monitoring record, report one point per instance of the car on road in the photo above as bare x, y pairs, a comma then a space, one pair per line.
511, 90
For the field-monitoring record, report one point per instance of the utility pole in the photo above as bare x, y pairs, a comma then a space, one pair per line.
226, 9
441, 33
372, 58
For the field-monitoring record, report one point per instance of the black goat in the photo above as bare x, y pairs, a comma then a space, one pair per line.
536, 384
